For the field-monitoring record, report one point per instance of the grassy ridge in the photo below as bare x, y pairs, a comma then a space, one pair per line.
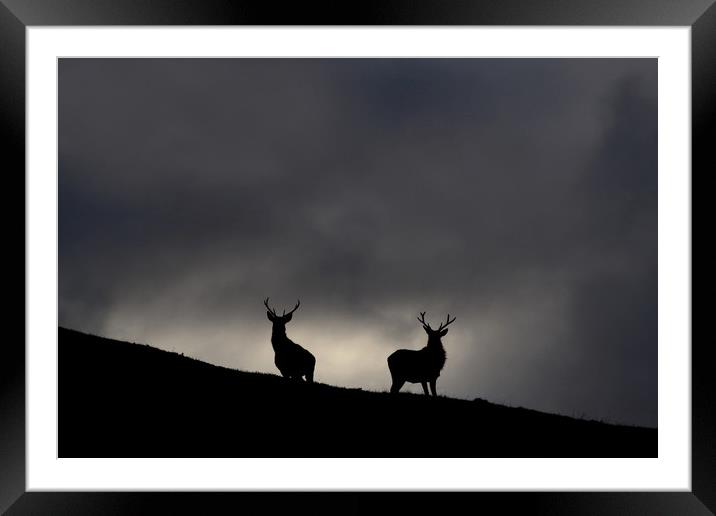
118, 399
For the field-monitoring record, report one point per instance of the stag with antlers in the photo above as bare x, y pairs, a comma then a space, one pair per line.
291, 359
420, 366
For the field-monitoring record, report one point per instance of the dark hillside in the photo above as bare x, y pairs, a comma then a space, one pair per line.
118, 399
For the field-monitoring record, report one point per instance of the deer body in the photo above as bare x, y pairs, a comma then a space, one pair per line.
420, 366
292, 360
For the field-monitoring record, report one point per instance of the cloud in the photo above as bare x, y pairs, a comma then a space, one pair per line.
518, 194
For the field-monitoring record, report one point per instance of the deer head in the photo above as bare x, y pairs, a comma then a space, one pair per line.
279, 321
434, 336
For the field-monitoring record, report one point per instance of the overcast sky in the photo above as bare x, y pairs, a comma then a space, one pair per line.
520, 195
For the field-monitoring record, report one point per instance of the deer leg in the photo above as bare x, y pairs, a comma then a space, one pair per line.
432, 387
311, 369
425, 387
397, 385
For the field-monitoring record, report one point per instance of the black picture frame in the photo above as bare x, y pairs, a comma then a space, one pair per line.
17, 15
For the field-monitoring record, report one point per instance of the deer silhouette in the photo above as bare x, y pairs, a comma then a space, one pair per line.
420, 366
291, 359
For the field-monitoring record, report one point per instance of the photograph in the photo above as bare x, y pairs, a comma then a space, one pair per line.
357, 257
421, 256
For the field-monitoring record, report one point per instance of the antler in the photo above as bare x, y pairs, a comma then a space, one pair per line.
447, 323
294, 308
422, 320
273, 312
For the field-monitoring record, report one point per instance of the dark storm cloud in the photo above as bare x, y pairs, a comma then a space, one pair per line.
518, 194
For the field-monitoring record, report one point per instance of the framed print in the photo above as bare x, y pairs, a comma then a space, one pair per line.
404, 251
